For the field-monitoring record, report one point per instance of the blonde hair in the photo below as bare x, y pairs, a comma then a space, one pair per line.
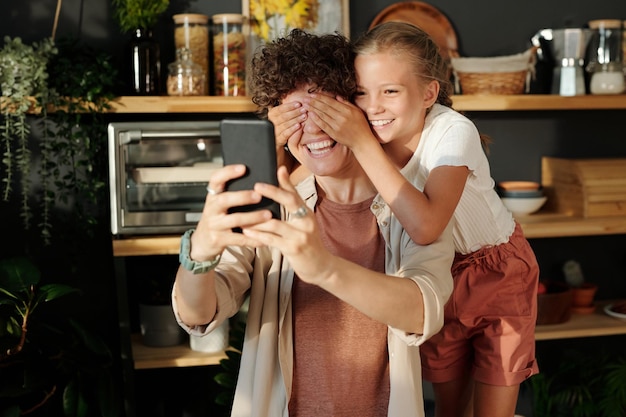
412, 43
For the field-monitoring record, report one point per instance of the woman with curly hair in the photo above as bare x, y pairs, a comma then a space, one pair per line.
341, 298
327, 63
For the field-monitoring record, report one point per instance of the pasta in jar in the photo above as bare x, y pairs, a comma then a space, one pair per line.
229, 55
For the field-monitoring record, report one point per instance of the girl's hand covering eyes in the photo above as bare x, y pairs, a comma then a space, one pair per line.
341, 120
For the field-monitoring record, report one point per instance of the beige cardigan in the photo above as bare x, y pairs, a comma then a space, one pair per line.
265, 376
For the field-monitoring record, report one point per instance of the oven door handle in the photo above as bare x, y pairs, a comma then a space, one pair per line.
130, 136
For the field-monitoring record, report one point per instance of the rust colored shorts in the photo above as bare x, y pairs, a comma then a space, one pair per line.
489, 324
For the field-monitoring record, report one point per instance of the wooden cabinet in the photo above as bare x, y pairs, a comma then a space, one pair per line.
539, 225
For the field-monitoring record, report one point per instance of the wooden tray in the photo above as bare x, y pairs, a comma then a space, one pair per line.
428, 18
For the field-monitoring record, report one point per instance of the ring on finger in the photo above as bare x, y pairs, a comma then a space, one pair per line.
300, 213
211, 191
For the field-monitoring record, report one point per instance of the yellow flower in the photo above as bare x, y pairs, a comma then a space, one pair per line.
303, 14
269, 15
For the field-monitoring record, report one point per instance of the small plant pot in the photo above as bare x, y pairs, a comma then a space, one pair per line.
554, 306
159, 327
584, 295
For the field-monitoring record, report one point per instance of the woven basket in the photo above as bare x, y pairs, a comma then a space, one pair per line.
494, 75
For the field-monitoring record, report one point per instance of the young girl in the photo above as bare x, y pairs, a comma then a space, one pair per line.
432, 167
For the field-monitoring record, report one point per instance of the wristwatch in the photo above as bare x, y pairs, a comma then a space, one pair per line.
189, 264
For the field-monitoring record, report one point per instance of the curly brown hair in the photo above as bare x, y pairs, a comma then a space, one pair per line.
283, 65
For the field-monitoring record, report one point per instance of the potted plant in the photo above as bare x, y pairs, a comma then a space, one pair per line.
138, 17
157, 322
50, 363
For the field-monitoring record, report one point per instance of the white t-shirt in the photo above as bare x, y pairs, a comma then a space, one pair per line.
449, 138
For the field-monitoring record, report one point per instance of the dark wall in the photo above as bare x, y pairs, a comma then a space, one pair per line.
485, 27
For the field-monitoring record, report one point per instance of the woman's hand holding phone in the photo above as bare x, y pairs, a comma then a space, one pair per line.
214, 231
297, 237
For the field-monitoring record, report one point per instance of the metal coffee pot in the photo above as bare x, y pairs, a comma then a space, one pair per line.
560, 65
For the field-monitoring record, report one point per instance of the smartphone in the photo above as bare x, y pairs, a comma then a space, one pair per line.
251, 142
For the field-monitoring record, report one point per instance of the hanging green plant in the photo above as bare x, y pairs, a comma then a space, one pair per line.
23, 79
73, 163
138, 14
78, 83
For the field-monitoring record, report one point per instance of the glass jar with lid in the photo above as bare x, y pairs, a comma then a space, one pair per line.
605, 57
229, 55
185, 77
191, 31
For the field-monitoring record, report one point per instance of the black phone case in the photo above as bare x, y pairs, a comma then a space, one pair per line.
251, 142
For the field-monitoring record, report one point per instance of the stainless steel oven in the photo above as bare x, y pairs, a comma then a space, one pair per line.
158, 173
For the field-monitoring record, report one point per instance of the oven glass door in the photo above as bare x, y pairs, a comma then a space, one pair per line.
162, 174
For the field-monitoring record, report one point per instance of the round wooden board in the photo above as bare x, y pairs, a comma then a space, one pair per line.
428, 18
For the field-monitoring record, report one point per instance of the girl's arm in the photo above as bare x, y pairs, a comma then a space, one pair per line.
424, 215
288, 119
393, 300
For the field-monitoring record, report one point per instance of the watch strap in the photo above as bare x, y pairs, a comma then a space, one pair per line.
189, 264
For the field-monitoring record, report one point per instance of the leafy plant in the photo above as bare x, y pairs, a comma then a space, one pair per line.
74, 165
138, 14
48, 360
613, 399
581, 386
227, 379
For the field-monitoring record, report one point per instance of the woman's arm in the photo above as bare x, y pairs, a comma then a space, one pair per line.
195, 294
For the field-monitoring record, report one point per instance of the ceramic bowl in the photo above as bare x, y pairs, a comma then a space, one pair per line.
520, 193
519, 185
522, 206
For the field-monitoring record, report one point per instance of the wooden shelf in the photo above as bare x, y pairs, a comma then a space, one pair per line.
147, 245
583, 325
146, 357
544, 225
195, 104
212, 104
215, 104
535, 226
538, 102
579, 325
